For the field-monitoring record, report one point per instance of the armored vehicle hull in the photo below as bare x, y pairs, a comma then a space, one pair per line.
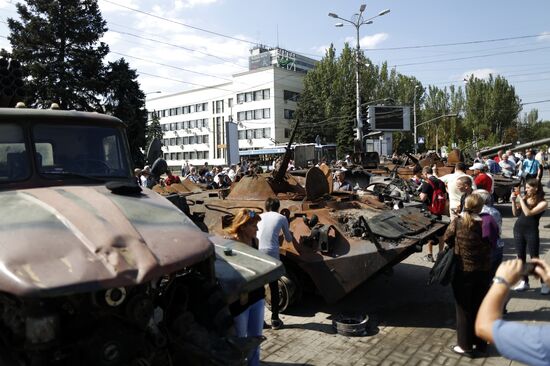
340, 239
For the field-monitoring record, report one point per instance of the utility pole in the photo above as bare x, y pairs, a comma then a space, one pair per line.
414, 122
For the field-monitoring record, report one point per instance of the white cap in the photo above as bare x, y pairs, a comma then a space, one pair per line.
477, 166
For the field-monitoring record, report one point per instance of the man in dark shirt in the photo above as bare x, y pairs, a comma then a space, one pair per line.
426, 193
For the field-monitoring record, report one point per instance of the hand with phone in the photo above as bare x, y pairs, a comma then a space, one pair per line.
542, 270
515, 193
528, 269
510, 271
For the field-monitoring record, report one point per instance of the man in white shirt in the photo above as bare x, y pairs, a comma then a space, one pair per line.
269, 229
454, 193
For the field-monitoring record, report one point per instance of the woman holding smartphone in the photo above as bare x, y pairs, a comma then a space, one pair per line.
529, 208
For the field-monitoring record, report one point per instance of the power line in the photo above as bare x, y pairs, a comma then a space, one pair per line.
453, 44
177, 46
180, 23
170, 66
537, 102
470, 57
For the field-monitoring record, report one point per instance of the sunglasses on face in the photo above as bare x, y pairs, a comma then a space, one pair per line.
251, 214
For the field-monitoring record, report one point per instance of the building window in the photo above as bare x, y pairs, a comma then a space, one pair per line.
266, 93
290, 96
206, 153
289, 114
266, 133
179, 140
248, 97
240, 98
230, 102
258, 95
287, 132
249, 134
166, 156
186, 140
249, 115
242, 134
258, 114
219, 106
267, 113
205, 139
179, 155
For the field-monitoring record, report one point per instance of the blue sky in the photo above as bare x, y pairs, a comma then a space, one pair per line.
183, 58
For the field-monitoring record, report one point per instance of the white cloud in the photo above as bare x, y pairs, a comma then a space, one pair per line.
479, 73
175, 45
321, 50
544, 36
180, 4
368, 41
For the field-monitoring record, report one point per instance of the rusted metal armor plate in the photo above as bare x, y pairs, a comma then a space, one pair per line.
316, 184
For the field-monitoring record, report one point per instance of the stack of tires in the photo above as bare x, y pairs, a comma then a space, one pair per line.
11, 83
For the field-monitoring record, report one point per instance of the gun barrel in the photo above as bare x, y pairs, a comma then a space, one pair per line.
531, 144
280, 174
494, 149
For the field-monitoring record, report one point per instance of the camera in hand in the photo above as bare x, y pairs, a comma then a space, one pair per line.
528, 269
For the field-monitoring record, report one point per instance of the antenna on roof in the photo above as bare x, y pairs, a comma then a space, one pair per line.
277, 35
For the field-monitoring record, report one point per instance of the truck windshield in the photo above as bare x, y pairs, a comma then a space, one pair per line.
81, 150
14, 159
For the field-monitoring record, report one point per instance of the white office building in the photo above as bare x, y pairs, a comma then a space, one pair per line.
253, 111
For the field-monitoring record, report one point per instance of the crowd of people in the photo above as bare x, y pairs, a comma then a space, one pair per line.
474, 234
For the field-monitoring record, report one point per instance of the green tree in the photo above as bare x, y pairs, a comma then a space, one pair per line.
154, 129
57, 42
125, 100
318, 106
492, 107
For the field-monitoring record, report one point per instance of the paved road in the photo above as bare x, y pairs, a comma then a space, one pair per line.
409, 323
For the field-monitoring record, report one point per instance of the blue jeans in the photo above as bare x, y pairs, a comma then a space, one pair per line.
250, 323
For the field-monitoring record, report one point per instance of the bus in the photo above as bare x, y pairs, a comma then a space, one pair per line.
304, 155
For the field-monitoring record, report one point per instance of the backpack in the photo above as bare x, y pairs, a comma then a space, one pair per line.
439, 198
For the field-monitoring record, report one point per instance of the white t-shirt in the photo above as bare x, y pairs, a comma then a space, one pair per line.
269, 229
454, 193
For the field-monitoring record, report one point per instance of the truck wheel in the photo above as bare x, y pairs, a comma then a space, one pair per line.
290, 291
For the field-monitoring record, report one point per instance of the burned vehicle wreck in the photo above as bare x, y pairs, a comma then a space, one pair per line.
96, 271
340, 239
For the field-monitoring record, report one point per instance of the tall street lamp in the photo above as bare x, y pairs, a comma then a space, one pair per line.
414, 122
357, 23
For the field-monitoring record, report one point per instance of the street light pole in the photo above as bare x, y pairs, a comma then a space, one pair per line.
414, 122
357, 24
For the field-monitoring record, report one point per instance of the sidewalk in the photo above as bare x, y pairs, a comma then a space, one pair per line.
410, 323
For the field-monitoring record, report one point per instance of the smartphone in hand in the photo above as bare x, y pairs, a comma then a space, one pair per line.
528, 269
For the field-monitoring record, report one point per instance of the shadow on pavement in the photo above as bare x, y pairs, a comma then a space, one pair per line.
402, 299
541, 314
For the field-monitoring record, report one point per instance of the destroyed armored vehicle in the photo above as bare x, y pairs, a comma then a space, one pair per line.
340, 239
96, 271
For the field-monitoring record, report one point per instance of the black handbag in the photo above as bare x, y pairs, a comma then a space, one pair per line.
444, 268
